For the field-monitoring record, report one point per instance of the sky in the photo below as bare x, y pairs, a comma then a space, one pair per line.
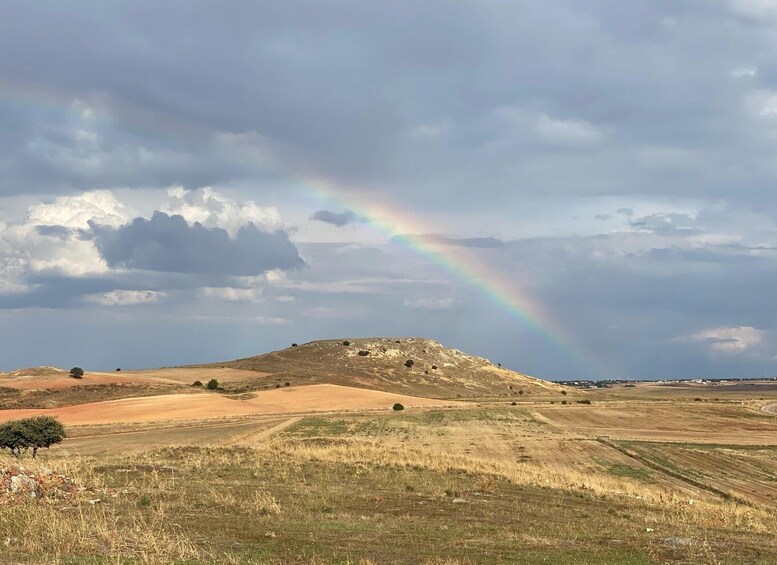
571, 189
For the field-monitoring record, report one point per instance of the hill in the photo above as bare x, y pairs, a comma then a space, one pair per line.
381, 363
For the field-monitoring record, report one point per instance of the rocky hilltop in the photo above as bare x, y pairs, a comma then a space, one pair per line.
407, 365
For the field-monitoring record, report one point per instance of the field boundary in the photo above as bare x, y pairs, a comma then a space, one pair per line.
672, 473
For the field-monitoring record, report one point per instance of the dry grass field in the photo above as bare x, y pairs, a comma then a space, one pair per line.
330, 474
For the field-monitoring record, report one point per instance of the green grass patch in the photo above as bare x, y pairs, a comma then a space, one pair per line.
630, 472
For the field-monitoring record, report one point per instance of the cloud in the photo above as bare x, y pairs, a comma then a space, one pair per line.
756, 9
125, 297
667, 224
729, 340
568, 132
430, 303
232, 294
169, 244
212, 209
100, 206
54, 237
336, 219
439, 239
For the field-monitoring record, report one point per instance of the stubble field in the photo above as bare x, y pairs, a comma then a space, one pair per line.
640, 475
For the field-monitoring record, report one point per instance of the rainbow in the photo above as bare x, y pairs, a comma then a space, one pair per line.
467, 265
383, 217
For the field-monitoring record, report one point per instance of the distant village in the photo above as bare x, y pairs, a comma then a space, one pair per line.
608, 383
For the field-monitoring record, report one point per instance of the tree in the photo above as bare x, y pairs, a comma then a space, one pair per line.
77, 373
397, 407
213, 384
409, 363
18, 436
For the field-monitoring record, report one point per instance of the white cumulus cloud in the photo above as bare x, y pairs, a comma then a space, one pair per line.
730, 339
215, 210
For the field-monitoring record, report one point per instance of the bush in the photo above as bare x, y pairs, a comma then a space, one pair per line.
586, 401
398, 407
197, 383
513, 403
697, 399
77, 373
409, 363
213, 384
364, 353
346, 343
294, 345
434, 367
118, 370
18, 436
564, 402
287, 384
564, 392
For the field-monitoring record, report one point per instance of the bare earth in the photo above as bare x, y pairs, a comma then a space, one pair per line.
203, 405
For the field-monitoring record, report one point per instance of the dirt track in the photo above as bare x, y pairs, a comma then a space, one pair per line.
202, 405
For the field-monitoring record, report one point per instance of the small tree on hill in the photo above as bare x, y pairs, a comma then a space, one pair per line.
213, 384
18, 436
77, 373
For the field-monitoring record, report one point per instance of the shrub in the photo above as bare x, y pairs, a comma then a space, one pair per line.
213, 384
346, 343
364, 353
197, 383
397, 407
294, 345
409, 363
434, 367
585, 401
287, 384
77, 373
520, 392
564, 402
118, 370
697, 399
277, 385
513, 403
18, 436
564, 392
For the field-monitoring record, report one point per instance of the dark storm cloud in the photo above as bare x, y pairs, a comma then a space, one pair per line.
338, 219
430, 98
169, 244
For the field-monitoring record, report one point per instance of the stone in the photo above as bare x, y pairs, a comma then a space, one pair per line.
23, 483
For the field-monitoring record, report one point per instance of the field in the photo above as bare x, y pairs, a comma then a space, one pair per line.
331, 474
